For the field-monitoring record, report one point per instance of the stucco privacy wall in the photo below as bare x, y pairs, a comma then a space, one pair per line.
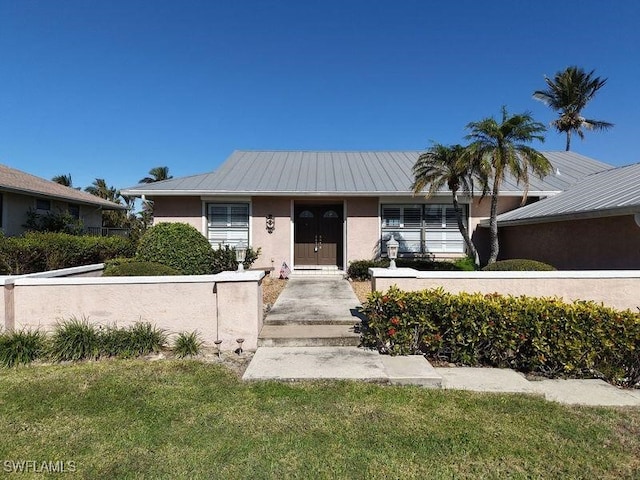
618, 289
225, 306
595, 243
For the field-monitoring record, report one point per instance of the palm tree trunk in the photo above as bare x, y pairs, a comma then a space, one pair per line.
493, 222
471, 248
568, 140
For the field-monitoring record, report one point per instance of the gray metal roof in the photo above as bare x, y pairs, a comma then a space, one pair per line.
611, 192
341, 173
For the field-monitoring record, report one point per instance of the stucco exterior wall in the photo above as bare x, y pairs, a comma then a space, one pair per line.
616, 289
596, 243
363, 228
227, 306
179, 209
481, 209
276, 246
15, 208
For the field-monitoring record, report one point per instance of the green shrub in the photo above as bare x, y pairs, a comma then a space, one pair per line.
58, 222
224, 259
130, 267
177, 245
75, 339
187, 345
543, 335
21, 347
466, 264
359, 269
517, 265
115, 342
38, 251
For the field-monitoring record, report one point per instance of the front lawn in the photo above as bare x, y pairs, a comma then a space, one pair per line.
187, 419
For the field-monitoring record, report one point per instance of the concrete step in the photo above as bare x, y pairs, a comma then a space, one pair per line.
274, 320
316, 335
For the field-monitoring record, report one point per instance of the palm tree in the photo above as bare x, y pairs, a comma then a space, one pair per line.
157, 174
568, 94
448, 165
501, 148
112, 218
63, 180
99, 188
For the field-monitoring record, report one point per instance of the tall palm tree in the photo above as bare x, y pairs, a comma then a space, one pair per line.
449, 165
156, 174
99, 188
63, 180
501, 148
111, 218
568, 94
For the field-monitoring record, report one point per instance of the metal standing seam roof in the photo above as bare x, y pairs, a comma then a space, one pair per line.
611, 192
24, 183
342, 173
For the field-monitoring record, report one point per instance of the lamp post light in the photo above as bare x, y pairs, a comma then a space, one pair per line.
241, 254
392, 252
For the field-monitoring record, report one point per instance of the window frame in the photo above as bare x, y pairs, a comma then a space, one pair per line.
230, 232
424, 237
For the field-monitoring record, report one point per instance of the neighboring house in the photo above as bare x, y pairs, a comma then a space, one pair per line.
329, 208
593, 225
21, 192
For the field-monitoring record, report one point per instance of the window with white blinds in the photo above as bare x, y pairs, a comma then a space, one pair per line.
422, 229
228, 224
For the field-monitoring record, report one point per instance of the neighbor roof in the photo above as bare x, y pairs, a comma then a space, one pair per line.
608, 193
16, 181
343, 173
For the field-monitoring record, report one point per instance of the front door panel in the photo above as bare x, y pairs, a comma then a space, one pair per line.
318, 234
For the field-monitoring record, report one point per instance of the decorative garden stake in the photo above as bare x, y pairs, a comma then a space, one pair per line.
218, 342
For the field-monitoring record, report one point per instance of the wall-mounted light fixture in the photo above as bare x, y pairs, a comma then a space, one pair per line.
271, 223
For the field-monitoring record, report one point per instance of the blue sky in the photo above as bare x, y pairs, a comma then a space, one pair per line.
113, 88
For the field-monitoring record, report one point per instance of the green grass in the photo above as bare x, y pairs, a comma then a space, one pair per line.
186, 419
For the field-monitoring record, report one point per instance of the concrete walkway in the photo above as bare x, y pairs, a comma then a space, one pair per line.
353, 363
313, 303
315, 299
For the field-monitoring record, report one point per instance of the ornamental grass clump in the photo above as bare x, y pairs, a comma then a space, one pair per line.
21, 347
75, 339
145, 338
187, 344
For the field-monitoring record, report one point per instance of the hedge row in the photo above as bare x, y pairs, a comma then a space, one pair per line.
38, 252
542, 335
359, 269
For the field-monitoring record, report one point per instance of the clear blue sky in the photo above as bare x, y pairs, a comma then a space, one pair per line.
112, 88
